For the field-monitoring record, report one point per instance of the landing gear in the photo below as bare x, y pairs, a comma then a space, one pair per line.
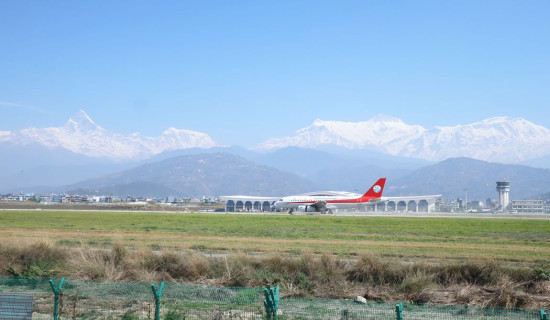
290, 211
329, 212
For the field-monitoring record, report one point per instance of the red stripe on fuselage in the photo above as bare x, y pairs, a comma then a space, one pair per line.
353, 200
303, 201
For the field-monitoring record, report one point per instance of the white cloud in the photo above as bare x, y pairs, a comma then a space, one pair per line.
21, 106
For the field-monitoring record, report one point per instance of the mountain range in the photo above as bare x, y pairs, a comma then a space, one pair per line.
499, 139
81, 135
81, 156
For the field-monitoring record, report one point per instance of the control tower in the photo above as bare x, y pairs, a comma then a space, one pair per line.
503, 189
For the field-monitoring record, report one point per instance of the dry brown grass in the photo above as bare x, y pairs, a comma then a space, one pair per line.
235, 270
481, 282
97, 265
37, 259
370, 268
476, 272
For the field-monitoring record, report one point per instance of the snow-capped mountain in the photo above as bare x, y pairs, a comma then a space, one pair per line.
378, 131
500, 139
82, 135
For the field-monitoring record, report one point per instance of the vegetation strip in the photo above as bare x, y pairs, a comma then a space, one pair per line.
506, 240
440, 260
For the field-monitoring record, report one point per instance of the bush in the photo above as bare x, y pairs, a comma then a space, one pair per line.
174, 315
236, 271
507, 294
304, 283
476, 272
541, 274
416, 288
372, 270
179, 266
37, 260
129, 315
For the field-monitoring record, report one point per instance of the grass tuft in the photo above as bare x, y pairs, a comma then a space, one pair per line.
481, 272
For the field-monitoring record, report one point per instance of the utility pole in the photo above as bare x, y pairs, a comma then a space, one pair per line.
465, 200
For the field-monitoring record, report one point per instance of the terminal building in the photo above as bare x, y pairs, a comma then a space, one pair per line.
406, 204
387, 204
399, 204
248, 203
528, 206
518, 206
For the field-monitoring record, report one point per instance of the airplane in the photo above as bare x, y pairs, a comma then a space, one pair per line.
326, 201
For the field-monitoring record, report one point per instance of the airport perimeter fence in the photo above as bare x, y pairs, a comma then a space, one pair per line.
77, 299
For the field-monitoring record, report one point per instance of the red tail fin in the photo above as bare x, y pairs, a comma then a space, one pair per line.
375, 191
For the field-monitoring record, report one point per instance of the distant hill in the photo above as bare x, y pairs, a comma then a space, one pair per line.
450, 177
32, 165
283, 172
39, 169
542, 162
197, 175
339, 169
291, 171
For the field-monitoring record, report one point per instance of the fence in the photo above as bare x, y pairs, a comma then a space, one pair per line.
77, 299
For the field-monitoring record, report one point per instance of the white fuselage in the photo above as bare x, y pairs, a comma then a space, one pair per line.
333, 200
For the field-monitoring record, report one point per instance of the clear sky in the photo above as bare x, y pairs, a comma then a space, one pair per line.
244, 71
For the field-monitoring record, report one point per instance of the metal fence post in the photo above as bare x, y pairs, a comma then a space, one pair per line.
399, 311
158, 295
271, 302
543, 315
56, 292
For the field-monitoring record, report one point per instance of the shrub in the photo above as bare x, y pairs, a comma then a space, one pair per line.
507, 294
470, 272
174, 315
541, 274
303, 282
416, 288
129, 315
97, 265
372, 270
236, 271
36, 260
330, 277
119, 253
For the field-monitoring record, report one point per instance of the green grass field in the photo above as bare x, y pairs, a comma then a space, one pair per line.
513, 240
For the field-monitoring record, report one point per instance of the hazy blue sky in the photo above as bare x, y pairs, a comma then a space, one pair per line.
244, 71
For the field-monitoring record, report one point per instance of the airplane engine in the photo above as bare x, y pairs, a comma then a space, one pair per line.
307, 209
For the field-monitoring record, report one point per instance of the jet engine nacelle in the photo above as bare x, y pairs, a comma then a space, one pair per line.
307, 209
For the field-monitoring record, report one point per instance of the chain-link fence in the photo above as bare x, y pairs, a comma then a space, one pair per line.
79, 299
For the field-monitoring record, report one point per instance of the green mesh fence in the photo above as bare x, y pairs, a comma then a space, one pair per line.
121, 300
